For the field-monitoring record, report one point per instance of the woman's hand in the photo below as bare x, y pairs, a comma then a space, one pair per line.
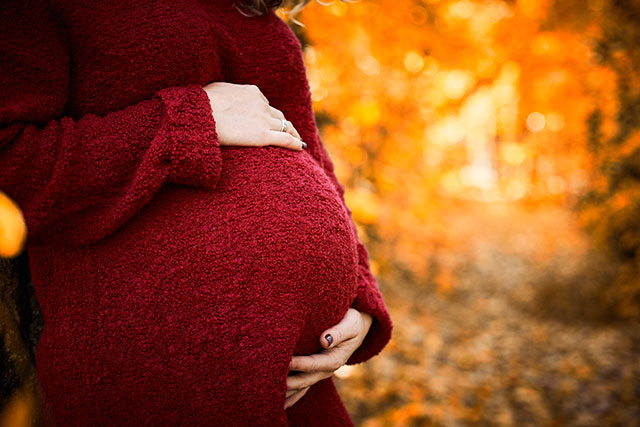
344, 339
243, 116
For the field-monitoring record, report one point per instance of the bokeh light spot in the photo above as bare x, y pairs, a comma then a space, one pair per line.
456, 84
535, 122
339, 8
513, 153
413, 62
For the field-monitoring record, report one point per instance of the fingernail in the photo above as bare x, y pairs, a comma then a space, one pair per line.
304, 145
329, 339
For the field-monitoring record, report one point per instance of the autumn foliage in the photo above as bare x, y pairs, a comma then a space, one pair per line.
490, 151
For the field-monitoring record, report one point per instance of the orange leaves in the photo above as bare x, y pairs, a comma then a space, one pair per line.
445, 280
462, 135
13, 230
364, 204
20, 410
452, 99
366, 113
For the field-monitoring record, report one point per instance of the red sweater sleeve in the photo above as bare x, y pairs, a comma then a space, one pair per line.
78, 180
369, 298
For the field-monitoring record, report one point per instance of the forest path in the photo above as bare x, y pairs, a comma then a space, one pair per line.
504, 335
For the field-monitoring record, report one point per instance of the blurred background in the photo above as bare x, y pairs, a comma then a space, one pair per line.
490, 152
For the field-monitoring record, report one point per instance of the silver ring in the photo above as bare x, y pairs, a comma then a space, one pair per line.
285, 125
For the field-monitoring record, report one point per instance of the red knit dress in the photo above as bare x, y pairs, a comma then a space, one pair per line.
176, 277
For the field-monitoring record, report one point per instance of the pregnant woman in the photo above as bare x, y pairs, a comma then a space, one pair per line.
189, 253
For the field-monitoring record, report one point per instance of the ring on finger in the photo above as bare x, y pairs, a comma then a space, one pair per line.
285, 125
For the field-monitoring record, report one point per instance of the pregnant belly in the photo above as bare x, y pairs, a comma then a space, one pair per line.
201, 300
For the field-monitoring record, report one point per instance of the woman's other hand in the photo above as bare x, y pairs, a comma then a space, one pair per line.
243, 116
345, 338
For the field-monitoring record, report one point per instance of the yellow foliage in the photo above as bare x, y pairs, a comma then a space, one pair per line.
364, 204
13, 230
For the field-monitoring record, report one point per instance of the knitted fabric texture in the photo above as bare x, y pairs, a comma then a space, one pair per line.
177, 277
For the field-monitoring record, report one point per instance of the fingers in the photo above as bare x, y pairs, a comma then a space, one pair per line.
349, 327
283, 139
325, 361
290, 401
306, 379
245, 118
279, 115
291, 392
276, 124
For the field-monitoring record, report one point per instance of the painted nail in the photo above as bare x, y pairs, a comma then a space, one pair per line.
304, 145
329, 339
